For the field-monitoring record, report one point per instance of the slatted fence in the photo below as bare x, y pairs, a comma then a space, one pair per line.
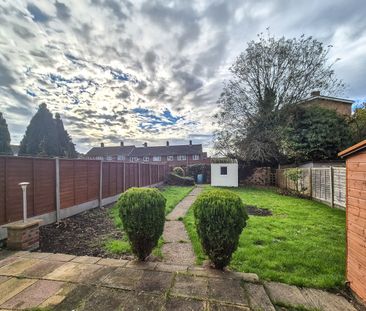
62, 187
327, 185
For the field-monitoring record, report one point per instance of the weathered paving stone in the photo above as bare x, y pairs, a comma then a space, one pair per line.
86, 259
41, 269
325, 301
36, 255
184, 304
33, 295
285, 294
137, 301
154, 282
17, 267
8, 260
5, 253
171, 267
75, 298
141, 265
58, 297
227, 290
4, 278
123, 278
74, 272
112, 262
258, 298
190, 286
12, 287
104, 299
61, 257
226, 307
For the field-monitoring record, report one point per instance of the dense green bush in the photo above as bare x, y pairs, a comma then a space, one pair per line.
175, 180
142, 211
220, 217
178, 171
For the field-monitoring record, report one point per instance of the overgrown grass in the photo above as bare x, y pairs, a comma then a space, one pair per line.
303, 243
173, 195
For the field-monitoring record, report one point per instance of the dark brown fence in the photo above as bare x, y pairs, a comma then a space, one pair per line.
78, 182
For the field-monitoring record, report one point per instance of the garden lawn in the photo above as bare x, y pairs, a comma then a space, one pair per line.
303, 243
173, 195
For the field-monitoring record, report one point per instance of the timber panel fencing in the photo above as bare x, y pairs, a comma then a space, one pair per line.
78, 182
327, 185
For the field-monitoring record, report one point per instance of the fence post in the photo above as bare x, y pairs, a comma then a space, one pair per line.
58, 199
311, 182
331, 186
100, 183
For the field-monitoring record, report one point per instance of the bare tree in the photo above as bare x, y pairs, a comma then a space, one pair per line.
269, 76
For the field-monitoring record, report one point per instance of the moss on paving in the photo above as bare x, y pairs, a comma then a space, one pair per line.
173, 195
303, 243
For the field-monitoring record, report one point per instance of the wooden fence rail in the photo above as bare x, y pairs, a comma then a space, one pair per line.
327, 185
63, 187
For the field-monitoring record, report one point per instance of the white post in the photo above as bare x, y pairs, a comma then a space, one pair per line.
58, 203
24, 189
101, 184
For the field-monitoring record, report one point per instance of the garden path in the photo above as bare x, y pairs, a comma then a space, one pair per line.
178, 248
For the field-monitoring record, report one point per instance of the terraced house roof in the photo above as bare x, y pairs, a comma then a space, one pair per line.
166, 150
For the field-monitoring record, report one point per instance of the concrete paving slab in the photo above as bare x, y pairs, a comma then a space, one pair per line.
41, 269
137, 301
258, 298
123, 278
86, 259
171, 267
325, 301
227, 291
17, 267
184, 304
8, 260
104, 299
280, 293
75, 272
75, 298
141, 265
12, 287
4, 278
37, 255
154, 282
226, 307
190, 286
112, 262
33, 295
61, 257
58, 297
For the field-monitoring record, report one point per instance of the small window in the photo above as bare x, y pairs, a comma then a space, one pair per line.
146, 159
157, 158
134, 159
223, 170
196, 157
170, 158
181, 158
120, 158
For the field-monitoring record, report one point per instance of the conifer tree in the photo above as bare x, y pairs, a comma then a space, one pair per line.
41, 136
4, 137
66, 146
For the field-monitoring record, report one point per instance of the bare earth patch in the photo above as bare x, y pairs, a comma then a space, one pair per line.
82, 235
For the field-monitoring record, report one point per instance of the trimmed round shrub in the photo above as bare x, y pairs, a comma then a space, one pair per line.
178, 171
220, 217
142, 211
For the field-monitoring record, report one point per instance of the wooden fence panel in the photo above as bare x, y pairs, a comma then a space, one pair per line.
80, 181
93, 179
339, 182
67, 183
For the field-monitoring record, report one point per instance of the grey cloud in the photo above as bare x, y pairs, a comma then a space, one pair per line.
6, 78
150, 59
124, 94
23, 32
188, 81
62, 11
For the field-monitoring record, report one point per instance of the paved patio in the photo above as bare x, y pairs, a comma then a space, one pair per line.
67, 282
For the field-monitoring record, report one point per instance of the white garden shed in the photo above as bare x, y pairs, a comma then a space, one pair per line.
224, 173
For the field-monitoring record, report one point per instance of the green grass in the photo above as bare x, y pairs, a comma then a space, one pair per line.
303, 243
173, 195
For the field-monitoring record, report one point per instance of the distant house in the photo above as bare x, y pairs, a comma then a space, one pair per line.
113, 153
340, 105
174, 155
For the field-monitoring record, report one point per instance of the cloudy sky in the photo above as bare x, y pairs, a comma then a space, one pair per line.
151, 70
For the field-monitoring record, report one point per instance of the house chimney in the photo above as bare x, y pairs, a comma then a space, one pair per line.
102, 145
121, 143
167, 143
315, 93
190, 142
145, 144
